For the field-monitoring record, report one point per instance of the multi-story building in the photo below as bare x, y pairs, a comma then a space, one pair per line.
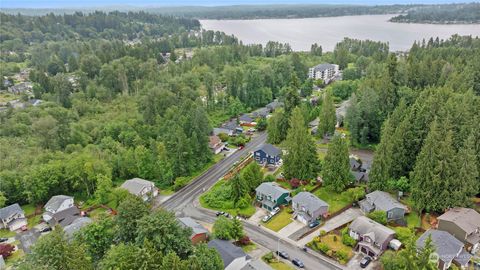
325, 72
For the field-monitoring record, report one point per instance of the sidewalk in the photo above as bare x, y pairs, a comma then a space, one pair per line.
338, 221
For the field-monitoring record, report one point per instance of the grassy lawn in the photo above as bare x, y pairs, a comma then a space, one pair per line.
335, 200
6, 233
413, 219
249, 248
34, 221
94, 214
279, 221
335, 245
166, 192
17, 255
280, 266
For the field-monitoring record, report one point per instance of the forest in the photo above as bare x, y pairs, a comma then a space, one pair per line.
442, 14
136, 95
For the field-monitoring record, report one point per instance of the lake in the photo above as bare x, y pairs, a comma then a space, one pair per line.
327, 31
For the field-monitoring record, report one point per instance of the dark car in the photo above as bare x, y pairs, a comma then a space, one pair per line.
283, 254
46, 229
226, 215
298, 263
365, 261
220, 213
3, 240
314, 224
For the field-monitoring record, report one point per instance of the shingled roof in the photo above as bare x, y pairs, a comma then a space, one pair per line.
309, 201
271, 189
228, 252
446, 245
56, 201
10, 210
136, 185
383, 201
376, 231
465, 218
270, 150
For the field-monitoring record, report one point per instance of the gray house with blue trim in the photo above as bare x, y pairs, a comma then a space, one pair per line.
268, 155
271, 195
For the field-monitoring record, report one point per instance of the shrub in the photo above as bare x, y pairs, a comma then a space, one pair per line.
244, 240
330, 253
379, 216
295, 183
323, 233
356, 193
335, 238
403, 234
341, 255
6, 250
269, 178
223, 137
180, 182
348, 240
268, 257
323, 247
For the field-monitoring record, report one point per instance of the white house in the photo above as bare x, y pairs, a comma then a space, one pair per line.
57, 204
12, 217
141, 188
325, 72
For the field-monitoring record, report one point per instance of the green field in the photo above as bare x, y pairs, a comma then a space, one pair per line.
279, 221
336, 201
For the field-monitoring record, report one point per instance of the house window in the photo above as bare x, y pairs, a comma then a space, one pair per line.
389, 214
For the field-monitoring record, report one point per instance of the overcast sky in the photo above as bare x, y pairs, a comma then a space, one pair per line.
99, 3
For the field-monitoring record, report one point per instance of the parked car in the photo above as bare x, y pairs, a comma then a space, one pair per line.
266, 218
275, 211
298, 263
220, 213
3, 240
365, 261
282, 254
46, 229
227, 215
314, 224
226, 149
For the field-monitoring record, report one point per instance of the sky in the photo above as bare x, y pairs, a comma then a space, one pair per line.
100, 3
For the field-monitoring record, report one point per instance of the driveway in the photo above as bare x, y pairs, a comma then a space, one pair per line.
338, 221
291, 228
259, 214
354, 263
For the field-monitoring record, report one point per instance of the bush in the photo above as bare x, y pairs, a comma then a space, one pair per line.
323, 233
335, 238
295, 183
180, 182
348, 240
6, 250
341, 255
323, 247
356, 193
403, 234
223, 137
379, 216
330, 253
268, 257
269, 178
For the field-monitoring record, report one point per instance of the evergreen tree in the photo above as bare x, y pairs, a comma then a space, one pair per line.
252, 176
277, 127
239, 188
301, 160
467, 184
328, 118
336, 167
435, 173
382, 160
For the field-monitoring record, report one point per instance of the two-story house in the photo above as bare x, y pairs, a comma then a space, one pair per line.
325, 72
12, 217
142, 188
215, 144
373, 238
308, 207
383, 201
448, 248
57, 204
268, 154
463, 224
271, 195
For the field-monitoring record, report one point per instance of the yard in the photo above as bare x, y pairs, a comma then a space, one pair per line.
272, 261
6, 233
336, 201
332, 246
280, 220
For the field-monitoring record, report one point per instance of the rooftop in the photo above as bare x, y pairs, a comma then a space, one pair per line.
56, 201
446, 245
271, 189
376, 231
270, 150
383, 201
136, 185
195, 226
7, 211
323, 67
309, 201
466, 218
228, 251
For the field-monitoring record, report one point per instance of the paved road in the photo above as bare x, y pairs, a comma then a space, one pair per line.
185, 203
192, 191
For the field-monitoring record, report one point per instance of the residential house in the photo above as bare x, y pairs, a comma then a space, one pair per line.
233, 257
325, 72
355, 165
233, 126
373, 238
75, 226
142, 188
359, 176
199, 233
261, 113
215, 144
447, 247
64, 217
271, 195
272, 106
463, 224
308, 207
12, 217
217, 131
245, 119
380, 200
27, 240
57, 204
257, 264
268, 154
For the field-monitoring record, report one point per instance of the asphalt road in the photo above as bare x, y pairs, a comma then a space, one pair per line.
185, 203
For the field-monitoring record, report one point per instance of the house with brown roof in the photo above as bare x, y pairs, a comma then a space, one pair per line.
215, 144
463, 224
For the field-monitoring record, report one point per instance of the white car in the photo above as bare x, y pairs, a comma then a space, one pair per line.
266, 218
275, 211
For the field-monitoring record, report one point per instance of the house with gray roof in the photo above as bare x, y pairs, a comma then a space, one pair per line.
64, 218
142, 188
75, 226
245, 119
12, 217
57, 204
448, 248
233, 257
272, 106
199, 233
261, 113
257, 264
271, 195
308, 207
383, 201
217, 131
373, 238
463, 224
268, 154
